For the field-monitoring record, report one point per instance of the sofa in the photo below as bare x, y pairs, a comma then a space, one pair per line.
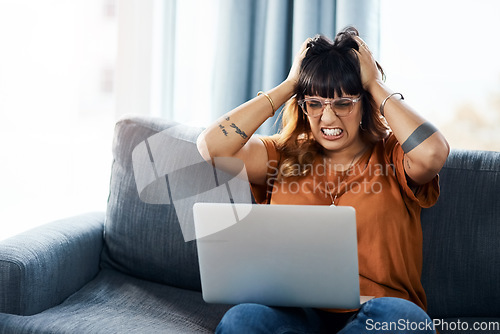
134, 268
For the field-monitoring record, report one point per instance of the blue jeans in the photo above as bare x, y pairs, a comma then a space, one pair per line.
379, 315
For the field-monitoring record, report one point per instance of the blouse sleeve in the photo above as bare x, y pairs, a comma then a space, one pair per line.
426, 195
262, 193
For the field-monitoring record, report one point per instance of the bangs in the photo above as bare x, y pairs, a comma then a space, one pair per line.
329, 75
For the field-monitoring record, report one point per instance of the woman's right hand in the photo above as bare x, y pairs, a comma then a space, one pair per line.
293, 75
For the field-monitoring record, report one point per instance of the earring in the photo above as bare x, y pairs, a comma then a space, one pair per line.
361, 126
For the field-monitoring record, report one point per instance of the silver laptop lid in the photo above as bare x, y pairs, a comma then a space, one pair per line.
279, 255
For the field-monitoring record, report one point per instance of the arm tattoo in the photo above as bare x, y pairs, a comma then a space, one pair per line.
238, 131
224, 131
420, 134
227, 118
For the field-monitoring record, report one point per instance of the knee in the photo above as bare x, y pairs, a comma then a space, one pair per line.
398, 312
395, 308
251, 317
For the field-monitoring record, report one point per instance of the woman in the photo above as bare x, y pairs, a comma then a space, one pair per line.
346, 139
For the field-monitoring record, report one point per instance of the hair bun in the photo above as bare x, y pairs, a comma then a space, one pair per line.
345, 39
319, 44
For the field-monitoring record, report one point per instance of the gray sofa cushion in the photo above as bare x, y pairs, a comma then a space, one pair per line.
141, 239
157, 176
461, 238
116, 303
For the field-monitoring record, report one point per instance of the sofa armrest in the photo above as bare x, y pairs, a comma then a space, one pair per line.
42, 267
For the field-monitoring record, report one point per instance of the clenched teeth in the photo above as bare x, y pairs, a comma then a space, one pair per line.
332, 132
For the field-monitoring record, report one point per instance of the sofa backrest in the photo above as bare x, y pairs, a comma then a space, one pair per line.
461, 268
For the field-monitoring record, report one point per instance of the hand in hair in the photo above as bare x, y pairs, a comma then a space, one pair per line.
293, 75
370, 72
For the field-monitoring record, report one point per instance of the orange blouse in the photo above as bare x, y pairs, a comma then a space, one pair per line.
387, 213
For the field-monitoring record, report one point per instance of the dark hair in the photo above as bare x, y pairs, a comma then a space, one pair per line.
329, 68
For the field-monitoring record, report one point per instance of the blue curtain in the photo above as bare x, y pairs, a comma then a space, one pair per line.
257, 40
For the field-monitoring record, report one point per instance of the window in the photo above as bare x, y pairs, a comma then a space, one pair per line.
443, 56
57, 109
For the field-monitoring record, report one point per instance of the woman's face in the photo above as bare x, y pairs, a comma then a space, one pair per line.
337, 134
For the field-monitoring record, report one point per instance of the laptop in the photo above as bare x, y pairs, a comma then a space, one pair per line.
278, 255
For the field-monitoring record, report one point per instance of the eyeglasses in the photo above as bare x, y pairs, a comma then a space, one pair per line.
314, 107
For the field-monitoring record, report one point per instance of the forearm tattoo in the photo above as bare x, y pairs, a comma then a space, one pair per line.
239, 131
223, 129
420, 134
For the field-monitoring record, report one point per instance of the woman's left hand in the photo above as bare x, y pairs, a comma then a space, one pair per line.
370, 73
